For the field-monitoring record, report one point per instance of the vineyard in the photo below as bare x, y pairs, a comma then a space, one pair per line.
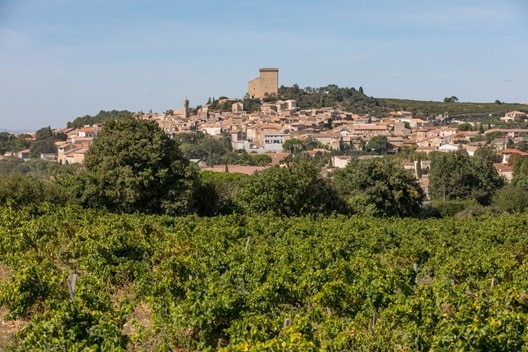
239, 283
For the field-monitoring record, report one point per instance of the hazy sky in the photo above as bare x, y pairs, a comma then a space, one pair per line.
60, 59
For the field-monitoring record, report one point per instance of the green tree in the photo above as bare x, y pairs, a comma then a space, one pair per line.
492, 135
133, 165
293, 145
457, 176
99, 118
216, 193
294, 190
511, 198
465, 126
451, 99
419, 171
44, 142
260, 159
522, 146
42, 146
378, 145
44, 133
7, 141
379, 187
200, 146
520, 170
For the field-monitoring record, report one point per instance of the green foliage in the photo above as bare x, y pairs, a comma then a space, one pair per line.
480, 111
293, 145
8, 142
134, 166
44, 133
254, 283
511, 199
19, 191
101, 116
77, 326
452, 207
378, 145
379, 187
522, 146
520, 170
464, 127
251, 105
457, 176
28, 288
14, 165
44, 142
297, 189
260, 160
492, 135
200, 146
451, 99
217, 192
42, 146
346, 99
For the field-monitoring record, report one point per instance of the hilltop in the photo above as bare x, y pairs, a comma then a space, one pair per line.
356, 101
455, 109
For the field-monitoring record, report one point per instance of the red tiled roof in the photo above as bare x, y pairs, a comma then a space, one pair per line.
512, 151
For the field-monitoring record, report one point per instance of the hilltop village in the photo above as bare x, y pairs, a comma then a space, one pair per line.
277, 121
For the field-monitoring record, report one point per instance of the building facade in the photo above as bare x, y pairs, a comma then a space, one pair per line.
267, 84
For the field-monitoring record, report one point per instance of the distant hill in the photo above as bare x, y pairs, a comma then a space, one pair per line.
356, 101
461, 110
17, 132
346, 99
99, 118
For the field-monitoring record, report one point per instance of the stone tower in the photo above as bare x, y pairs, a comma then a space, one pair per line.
267, 84
186, 108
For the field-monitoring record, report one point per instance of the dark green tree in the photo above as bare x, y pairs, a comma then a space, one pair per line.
451, 99
378, 145
216, 192
520, 170
7, 141
42, 146
522, 146
511, 198
44, 133
295, 190
419, 171
293, 145
201, 146
465, 126
492, 135
379, 187
260, 160
455, 175
133, 165
99, 118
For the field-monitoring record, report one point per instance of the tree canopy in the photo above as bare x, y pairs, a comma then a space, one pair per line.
457, 176
297, 189
379, 187
133, 165
99, 118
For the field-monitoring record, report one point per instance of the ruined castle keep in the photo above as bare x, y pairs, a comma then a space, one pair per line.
266, 84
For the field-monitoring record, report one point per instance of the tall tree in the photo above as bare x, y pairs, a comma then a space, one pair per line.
134, 166
457, 176
379, 187
378, 144
297, 189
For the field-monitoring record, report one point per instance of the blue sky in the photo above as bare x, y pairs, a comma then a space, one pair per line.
60, 59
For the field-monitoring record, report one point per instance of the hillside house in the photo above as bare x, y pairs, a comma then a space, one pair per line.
340, 161
505, 171
513, 116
